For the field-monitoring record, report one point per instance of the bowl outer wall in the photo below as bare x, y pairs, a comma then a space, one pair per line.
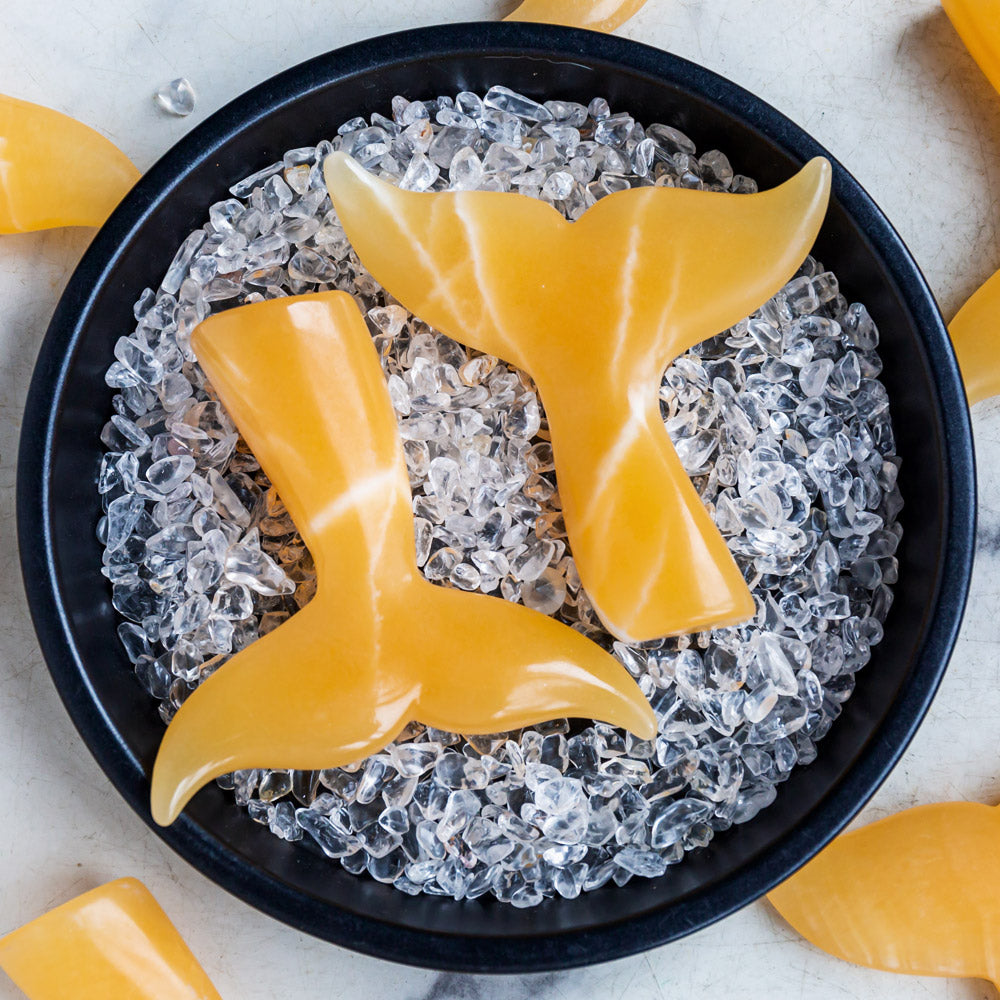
70, 606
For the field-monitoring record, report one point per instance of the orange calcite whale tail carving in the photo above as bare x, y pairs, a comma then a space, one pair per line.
55, 171
112, 943
595, 310
975, 334
918, 892
378, 646
599, 15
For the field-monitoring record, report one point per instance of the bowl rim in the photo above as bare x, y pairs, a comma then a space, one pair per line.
532, 951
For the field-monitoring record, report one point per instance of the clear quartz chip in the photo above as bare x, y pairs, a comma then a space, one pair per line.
176, 97
505, 99
421, 173
466, 170
247, 564
613, 130
546, 593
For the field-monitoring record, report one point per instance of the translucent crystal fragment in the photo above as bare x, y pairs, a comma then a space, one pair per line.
546, 593
246, 563
122, 517
348, 492
505, 99
648, 864
624, 492
176, 97
466, 170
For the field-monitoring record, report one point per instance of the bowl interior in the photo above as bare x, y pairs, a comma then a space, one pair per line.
58, 504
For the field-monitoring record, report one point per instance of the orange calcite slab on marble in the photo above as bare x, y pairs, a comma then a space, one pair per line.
55, 171
978, 24
595, 310
975, 334
378, 645
113, 943
598, 15
918, 892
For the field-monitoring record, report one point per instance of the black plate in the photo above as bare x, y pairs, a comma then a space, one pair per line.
58, 506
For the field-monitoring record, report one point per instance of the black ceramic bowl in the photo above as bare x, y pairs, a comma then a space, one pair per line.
58, 505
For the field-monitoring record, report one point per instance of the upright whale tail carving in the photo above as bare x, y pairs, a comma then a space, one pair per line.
378, 645
595, 310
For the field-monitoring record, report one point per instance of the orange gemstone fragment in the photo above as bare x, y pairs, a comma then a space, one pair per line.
595, 310
378, 645
918, 892
56, 171
598, 15
978, 24
113, 943
975, 334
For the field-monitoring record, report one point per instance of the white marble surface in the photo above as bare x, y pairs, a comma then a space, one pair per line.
884, 84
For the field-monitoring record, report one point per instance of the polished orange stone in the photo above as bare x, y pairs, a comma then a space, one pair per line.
978, 24
975, 334
975, 331
113, 943
918, 892
378, 645
595, 310
55, 171
598, 15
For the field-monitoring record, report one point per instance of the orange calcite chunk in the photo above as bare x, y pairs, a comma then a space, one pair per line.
378, 645
975, 334
978, 24
113, 943
599, 15
918, 892
595, 310
55, 171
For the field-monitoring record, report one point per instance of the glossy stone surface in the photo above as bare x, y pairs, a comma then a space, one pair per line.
112, 943
918, 892
975, 332
55, 171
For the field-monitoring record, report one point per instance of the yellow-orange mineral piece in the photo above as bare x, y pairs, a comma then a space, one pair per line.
113, 943
378, 645
975, 334
918, 892
56, 171
978, 24
598, 15
595, 310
